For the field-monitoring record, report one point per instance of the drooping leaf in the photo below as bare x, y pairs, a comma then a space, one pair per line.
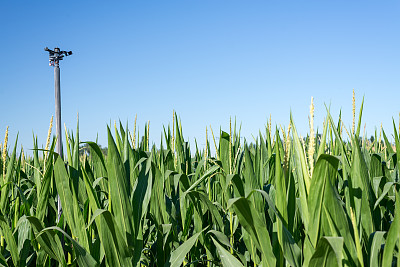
251, 221
82, 256
179, 254
49, 241
328, 252
227, 259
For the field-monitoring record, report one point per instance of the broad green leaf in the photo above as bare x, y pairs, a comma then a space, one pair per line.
227, 259
142, 193
120, 204
251, 221
179, 254
385, 191
392, 236
82, 256
195, 196
95, 147
303, 176
222, 238
44, 193
224, 152
237, 182
11, 244
327, 215
208, 173
361, 191
377, 241
328, 252
140, 204
49, 241
290, 249
23, 239
115, 248
71, 210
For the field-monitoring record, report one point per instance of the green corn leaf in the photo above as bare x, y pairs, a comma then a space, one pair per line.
121, 206
376, 244
3, 261
249, 218
114, 245
290, 249
11, 244
357, 134
44, 193
82, 256
208, 173
142, 193
328, 252
69, 140
327, 216
196, 196
397, 142
237, 182
321, 149
157, 202
75, 153
303, 176
179, 254
375, 168
281, 187
96, 149
23, 239
49, 241
140, 203
341, 145
6, 184
224, 151
222, 238
388, 144
361, 191
36, 170
227, 259
392, 236
69, 203
384, 193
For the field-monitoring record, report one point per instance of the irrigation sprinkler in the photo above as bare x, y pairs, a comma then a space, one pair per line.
54, 60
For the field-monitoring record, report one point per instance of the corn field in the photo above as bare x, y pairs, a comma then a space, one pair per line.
328, 199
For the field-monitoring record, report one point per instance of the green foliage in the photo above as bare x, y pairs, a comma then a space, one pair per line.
253, 204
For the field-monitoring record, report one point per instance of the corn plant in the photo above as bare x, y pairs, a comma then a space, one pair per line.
282, 200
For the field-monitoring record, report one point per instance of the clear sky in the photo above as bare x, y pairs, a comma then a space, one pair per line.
206, 59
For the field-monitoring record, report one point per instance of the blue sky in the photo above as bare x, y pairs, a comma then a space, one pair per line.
208, 60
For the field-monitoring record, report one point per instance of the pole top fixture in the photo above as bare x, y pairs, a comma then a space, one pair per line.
56, 55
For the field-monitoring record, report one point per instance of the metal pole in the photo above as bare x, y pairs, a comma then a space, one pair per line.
54, 60
59, 148
58, 109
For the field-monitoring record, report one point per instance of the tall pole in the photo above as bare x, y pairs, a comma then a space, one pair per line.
59, 149
54, 58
